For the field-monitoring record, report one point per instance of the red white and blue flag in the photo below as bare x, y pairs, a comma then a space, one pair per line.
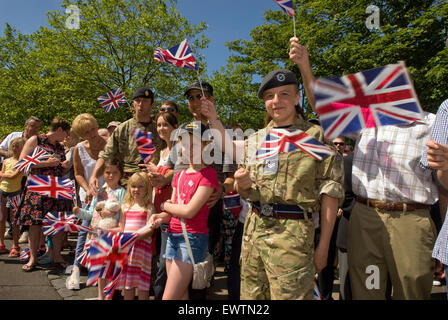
51, 186
14, 202
55, 222
287, 140
36, 156
287, 6
316, 293
144, 143
25, 255
367, 99
107, 256
112, 100
179, 55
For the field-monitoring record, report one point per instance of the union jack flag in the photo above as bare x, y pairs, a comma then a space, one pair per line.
51, 186
112, 100
25, 255
14, 202
144, 144
287, 140
287, 6
36, 156
107, 256
367, 99
179, 55
55, 222
316, 293
84, 257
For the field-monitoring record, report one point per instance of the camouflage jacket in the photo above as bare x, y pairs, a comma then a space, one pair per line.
296, 178
122, 145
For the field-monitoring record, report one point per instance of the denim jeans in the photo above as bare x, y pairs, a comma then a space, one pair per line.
82, 236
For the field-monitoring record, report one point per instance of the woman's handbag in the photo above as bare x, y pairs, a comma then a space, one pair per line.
203, 271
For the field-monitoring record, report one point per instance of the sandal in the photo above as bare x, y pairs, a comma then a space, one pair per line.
44, 259
28, 267
3, 249
15, 252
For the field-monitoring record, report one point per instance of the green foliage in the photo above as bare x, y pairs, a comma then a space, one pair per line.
339, 42
61, 71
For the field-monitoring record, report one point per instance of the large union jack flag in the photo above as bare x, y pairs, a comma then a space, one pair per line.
55, 222
51, 186
179, 55
107, 256
112, 100
287, 6
36, 156
367, 99
287, 140
144, 143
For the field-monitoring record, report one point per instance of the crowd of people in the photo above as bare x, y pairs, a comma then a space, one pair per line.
372, 211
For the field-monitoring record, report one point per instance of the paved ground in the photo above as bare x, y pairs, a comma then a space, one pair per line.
49, 284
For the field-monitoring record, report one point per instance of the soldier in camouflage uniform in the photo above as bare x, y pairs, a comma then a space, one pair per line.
278, 260
121, 143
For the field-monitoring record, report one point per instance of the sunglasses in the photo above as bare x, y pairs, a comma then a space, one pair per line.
197, 96
167, 109
339, 143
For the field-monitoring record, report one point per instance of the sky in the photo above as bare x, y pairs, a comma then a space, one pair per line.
227, 20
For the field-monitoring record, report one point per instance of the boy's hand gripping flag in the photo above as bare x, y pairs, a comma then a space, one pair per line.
367, 99
55, 222
51, 186
36, 156
284, 140
179, 55
144, 144
112, 100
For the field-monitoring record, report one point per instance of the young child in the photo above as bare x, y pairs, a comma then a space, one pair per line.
111, 190
10, 186
137, 210
195, 185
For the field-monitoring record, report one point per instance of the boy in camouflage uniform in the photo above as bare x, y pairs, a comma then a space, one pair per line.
278, 260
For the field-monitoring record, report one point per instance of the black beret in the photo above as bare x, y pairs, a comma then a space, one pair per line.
143, 92
196, 128
196, 85
277, 78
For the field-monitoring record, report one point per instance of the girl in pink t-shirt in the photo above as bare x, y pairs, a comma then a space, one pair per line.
194, 186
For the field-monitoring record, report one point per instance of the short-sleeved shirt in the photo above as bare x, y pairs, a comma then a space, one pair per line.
14, 184
122, 145
386, 163
296, 178
188, 185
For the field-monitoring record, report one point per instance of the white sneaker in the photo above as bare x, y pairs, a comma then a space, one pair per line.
24, 237
72, 282
8, 235
436, 283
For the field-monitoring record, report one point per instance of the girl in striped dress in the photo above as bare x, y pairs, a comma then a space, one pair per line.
136, 211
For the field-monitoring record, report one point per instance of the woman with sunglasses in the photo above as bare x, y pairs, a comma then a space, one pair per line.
170, 106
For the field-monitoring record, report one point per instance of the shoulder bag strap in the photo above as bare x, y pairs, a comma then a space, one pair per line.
184, 229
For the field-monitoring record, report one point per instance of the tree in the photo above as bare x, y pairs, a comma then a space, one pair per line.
339, 42
61, 71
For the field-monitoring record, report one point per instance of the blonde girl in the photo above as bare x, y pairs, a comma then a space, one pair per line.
10, 186
137, 210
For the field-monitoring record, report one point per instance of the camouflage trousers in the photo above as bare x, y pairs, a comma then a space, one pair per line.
277, 259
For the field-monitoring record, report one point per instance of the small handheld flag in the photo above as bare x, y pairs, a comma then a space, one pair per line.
179, 55
287, 140
36, 156
367, 99
51, 186
144, 144
14, 202
55, 222
112, 100
288, 7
